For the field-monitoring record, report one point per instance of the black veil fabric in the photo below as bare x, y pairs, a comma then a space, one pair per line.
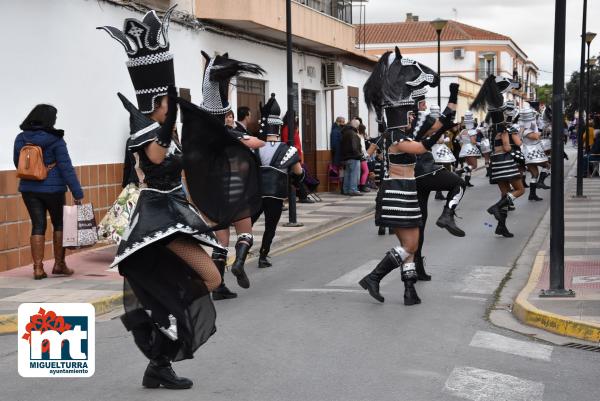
222, 174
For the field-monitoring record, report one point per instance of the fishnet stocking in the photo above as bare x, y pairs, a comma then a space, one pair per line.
197, 258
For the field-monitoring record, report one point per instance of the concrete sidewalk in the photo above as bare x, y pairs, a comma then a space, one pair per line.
95, 283
577, 317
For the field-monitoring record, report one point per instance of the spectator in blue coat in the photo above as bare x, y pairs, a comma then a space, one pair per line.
47, 195
336, 141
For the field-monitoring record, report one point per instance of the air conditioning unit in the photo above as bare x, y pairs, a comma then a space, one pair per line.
333, 74
459, 53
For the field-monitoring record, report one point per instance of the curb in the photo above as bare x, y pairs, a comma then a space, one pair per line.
527, 313
8, 323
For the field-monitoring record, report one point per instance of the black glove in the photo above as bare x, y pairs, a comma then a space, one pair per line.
432, 140
447, 118
166, 130
453, 93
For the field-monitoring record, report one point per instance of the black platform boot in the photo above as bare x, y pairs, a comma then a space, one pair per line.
221, 292
540, 183
159, 372
532, 194
409, 276
501, 229
496, 209
446, 221
371, 281
439, 195
420, 269
242, 247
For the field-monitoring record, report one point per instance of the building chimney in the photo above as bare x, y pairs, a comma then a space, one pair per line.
409, 17
416, 18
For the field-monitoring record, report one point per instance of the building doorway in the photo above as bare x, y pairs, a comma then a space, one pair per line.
309, 130
251, 93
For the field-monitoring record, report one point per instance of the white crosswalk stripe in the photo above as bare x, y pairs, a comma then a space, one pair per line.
497, 342
485, 385
351, 278
483, 279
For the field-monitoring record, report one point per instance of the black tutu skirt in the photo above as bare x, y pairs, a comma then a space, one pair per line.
397, 204
161, 214
504, 168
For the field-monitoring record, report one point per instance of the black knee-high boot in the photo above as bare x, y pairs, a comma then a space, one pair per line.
541, 184
496, 208
501, 229
446, 220
532, 190
420, 268
242, 247
468, 179
219, 258
263, 258
409, 277
371, 281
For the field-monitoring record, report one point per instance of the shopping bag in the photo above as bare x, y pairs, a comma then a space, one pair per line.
79, 226
116, 221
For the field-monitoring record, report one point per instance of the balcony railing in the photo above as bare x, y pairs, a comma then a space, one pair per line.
339, 9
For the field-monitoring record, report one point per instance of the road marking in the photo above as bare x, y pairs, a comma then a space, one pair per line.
581, 244
470, 298
351, 278
324, 290
496, 342
483, 279
485, 385
586, 279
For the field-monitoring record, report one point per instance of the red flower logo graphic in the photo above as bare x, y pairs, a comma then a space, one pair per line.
44, 321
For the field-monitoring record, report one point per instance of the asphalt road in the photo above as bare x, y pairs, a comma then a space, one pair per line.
306, 331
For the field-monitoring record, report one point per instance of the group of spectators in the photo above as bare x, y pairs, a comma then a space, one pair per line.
351, 153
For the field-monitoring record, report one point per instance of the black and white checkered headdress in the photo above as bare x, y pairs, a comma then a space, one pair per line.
270, 118
150, 64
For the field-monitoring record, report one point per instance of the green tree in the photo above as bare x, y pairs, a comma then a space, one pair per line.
572, 92
544, 94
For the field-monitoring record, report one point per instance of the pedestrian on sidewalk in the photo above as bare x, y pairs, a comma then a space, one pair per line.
351, 155
301, 189
366, 154
48, 194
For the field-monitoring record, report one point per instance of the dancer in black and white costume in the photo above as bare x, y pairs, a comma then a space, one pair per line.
469, 150
278, 161
505, 171
390, 87
544, 124
442, 154
533, 149
432, 176
167, 274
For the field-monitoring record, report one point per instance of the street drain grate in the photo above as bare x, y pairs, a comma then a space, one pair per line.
583, 347
95, 275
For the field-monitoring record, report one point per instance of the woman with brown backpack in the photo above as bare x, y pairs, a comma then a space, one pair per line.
44, 167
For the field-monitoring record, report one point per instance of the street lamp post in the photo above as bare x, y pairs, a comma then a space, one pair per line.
589, 36
579, 193
439, 24
557, 192
292, 218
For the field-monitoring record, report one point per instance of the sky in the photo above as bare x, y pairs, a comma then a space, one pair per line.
530, 23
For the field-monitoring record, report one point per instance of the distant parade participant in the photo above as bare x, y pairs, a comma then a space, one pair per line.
431, 175
505, 172
533, 149
168, 275
469, 150
544, 124
442, 154
483, 141
390, 87
279, 162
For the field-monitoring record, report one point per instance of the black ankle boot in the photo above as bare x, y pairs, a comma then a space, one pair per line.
532, 193
371, 281
159, 372
446, 221
439, 195
468, 181
496, 209
242, 247
381, 230
409, 277
222, 292
501, 229
420, 269
540, 183
263, 260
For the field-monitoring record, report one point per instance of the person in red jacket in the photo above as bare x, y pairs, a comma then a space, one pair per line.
302, 192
